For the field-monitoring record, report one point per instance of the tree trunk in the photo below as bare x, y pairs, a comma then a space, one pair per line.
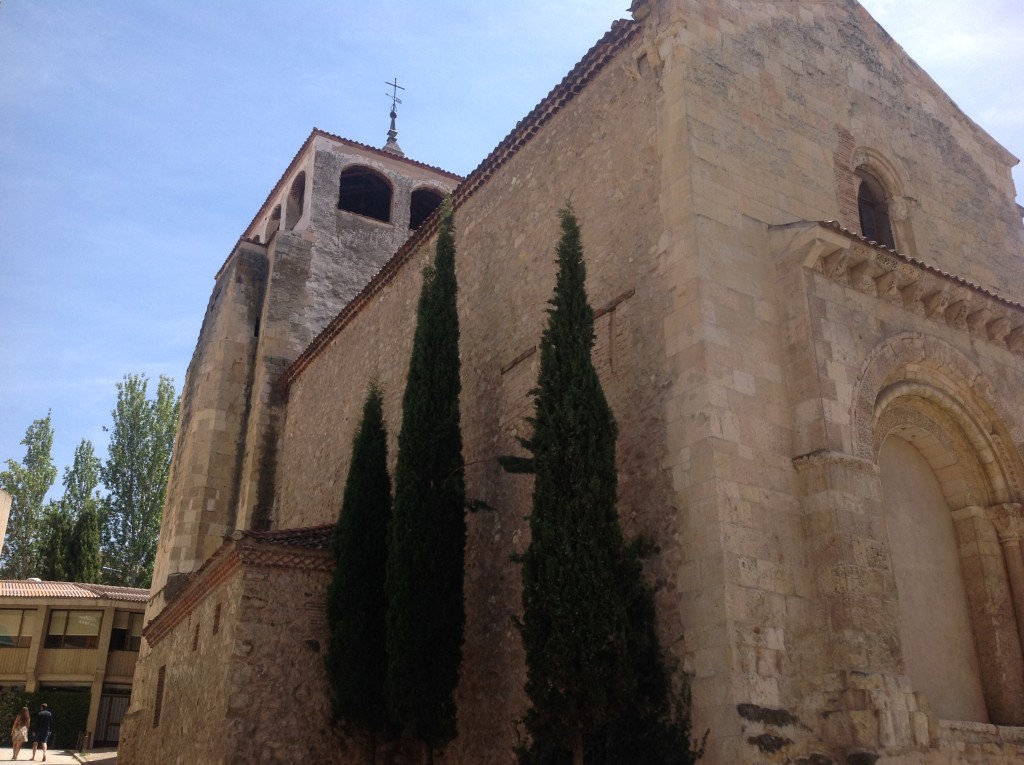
373, 748
428, 754
577, 749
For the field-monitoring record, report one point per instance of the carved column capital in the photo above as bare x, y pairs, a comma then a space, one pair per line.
1006, 517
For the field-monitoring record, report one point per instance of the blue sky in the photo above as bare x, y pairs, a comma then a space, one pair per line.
139, 137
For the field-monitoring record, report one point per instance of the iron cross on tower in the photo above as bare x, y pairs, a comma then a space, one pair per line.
392, 144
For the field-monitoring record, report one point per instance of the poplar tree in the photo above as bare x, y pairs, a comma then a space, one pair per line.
55, 544
81, 504
27, 482
135, 475
356, 599
426, 613
84, 560
70, 547
596, 680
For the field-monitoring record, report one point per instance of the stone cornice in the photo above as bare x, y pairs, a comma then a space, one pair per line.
849, 259
823, 457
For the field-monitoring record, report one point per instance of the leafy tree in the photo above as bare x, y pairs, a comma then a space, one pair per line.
55, 544
135, 475
70, 544
356, 600
81, 502
81, 480
596, 680
27, 482
426, 613
84, 557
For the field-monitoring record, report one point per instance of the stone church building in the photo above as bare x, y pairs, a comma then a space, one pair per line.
807, 270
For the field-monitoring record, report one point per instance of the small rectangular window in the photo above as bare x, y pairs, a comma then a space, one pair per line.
16, 627
159, 703
195, 638
216, 619
126, 634
73, 629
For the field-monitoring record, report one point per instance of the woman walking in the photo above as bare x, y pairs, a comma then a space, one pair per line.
19, 731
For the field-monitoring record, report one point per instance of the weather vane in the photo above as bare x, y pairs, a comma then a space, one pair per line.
393, 95
392, 144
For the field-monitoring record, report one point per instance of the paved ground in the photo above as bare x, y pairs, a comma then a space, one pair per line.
97, 757
54, 756
62, 756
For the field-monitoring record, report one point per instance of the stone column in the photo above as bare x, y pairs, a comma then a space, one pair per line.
991, 602
871, 705
848, 553
1010, 526
39, 627
100, 670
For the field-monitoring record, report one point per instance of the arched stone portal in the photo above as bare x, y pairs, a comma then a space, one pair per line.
949, 472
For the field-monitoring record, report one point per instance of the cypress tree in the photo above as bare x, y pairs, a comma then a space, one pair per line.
596, 680
356, 599
426, 613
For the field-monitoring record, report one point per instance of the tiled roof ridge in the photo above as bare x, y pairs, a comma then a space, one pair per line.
621, 33
838, 227
319, 536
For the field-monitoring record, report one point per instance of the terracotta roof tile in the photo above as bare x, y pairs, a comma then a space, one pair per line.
26, 588
836, 226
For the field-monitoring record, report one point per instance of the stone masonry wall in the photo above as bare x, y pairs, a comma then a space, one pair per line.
763, 95
242, 666
278, 702
198, 665
507, 232
747, 354
703, 351
316, 269
203, 482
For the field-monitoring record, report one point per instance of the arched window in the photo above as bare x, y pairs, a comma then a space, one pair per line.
424, 202
874, 210
296, 198
365, 192
274, 223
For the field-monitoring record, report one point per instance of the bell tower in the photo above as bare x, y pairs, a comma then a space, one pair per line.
339, 212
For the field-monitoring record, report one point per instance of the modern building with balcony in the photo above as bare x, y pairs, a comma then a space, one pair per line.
62, 636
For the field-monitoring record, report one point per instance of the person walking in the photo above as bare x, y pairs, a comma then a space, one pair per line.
19, 731
44, 726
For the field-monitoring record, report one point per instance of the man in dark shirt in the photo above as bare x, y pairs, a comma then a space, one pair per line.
43, 727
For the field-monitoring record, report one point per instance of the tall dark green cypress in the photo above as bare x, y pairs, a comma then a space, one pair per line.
356, 599
596, 680
426, 613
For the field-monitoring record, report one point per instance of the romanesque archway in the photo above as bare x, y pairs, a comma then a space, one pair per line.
950, 475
